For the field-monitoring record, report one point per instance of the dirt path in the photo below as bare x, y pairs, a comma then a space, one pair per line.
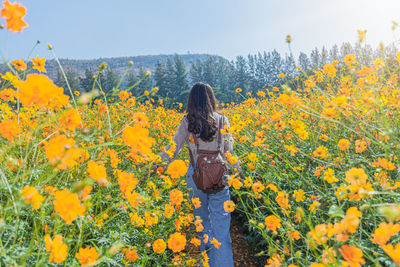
242, 253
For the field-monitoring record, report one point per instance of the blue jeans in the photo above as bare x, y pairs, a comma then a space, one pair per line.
216, 222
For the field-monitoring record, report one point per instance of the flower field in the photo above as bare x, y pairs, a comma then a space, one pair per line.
320, 166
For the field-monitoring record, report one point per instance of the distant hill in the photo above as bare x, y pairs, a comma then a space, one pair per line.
118, 64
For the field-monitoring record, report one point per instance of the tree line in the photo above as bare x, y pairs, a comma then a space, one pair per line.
252, 73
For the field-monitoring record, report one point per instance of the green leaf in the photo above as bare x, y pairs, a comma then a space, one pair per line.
335, 211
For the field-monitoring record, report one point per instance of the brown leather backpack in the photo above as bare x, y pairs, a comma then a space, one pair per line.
210, 167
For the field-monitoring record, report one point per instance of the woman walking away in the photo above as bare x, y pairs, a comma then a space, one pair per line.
207, 180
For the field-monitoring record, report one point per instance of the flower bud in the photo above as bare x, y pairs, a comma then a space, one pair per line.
49, 46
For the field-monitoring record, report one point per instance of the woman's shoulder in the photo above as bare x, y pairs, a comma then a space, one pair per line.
220, 116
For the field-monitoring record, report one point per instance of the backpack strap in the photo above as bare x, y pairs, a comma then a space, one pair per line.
219, 132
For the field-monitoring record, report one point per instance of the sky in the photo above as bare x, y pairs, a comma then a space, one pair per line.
87, 29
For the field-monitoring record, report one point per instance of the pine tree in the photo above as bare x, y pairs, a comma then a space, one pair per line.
182, 86
170, 83
160, 78
87, 81
131, 80
111, 80
145, 84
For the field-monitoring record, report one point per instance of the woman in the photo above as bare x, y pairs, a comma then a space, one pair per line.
202, 120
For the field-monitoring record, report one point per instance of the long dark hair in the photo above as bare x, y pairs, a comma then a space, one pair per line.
200, 107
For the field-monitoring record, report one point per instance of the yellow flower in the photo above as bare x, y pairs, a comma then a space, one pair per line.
58, 250
361, 35
159, 246
38, 64
299, 195
176, 242
229, 206
329, 176
321, 152
168, 211
67, 205
398, 57
252, 157
238, 90
349, 59
177, 169
32, 196
282, 75
19, 64
343, 144
87, 255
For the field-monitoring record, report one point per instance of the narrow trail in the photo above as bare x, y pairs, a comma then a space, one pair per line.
242, 253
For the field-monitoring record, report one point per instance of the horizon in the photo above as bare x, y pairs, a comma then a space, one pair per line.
233, 28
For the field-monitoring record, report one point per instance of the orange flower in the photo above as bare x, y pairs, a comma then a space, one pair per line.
272, 222
343, 144
138, 139
67, 205
58, 250
13, 15
295, 235
32, 196
352, 255
124, 95
176, 197
384, 232
61, 153
70, 120
215, 243
19, 64
10, 129
393, 252
127, 182
39, 90
356, 176
199, 226
196, 202
87, 255
176, 242
321, 152
38, 64
177, 169
97, 172
229, 206
130, 254
168, 211
159, 246
195, 241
